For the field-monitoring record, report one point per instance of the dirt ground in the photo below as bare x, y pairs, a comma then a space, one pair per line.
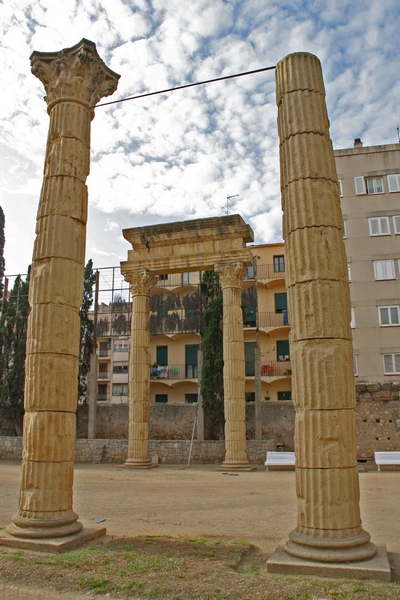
195, 504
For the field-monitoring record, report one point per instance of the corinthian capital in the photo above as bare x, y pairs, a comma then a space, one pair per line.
141, 282
231, 274
75, 73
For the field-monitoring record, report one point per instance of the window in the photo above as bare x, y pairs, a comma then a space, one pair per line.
249, 359
250, 272
190, 398
120, 389
103, 371
391, 364
121, 346
162, 356
355, 365
389, 315
284, 395
162, 398
369, 185
185, 278
250, 396
163, 277
344, 229
191, 351
353, 318
103, 349
249, 316
394, 183
384, 269
349, 271
281, 303
396, 224
340, 188
282, 350
102, 392
279, 264
120, 367
379, 226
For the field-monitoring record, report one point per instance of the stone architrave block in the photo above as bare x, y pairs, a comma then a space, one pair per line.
303, 112
306, 153
317, 253
70, 120
324, 213
60, 236
321, 494
53, 328
69, 198
68, 157
46, 392
317, 368
55, 280
56, 478
46, 426
332, 433
319, 309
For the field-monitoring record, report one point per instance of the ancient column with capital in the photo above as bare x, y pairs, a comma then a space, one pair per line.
141, 283
231, 278
329, 526
75, 79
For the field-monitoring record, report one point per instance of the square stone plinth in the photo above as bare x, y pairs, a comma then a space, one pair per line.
62, 544
376, 568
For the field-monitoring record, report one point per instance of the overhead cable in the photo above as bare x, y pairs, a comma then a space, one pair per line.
182, 87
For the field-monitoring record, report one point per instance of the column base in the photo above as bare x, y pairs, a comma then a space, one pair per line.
137, 463
236, 466
376, 568
28, 527
353, 548
56, 544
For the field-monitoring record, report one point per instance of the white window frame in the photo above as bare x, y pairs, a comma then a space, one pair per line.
352, 318
396, 224
394, 183
377, 226
375, 185
344, 229
391, 363
349, 271
392, 317
340, 182
355, 365
384, 268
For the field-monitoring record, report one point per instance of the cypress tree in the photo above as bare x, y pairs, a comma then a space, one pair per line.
86, 331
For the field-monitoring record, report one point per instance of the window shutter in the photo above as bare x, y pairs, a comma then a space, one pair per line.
394, 315
374, 226
389, 264
359, 184
394, 183
388, 363
396, 363
396, 223
378, 269
384, 225
384, 315
355, 365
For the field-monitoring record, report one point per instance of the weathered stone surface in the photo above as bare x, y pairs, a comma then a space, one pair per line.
45, 426
60, 236
53, 328
65, 196
46, 490
303, 156
301, 112
46, 393
56, 281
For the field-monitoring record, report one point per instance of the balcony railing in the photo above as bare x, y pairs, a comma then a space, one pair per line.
103, 352
104, 375
269, 272
272, 319
276, 368
174, 372
101, 397
175, 321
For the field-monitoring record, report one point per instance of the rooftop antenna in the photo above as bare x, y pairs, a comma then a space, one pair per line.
229, 204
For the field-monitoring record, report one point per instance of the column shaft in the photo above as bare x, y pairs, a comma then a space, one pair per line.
328, 517
231, 278
139, 370
55, 296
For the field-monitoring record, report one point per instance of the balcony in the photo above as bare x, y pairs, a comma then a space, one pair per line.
276, 368
273, 319
103, 375
175, 321
265, 272
102, 397
173, 372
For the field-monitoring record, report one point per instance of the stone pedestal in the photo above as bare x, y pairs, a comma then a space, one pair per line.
231, 277
329, 526
139, 370
75, 79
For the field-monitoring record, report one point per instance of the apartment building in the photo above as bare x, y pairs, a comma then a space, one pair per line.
369, 181
175, 322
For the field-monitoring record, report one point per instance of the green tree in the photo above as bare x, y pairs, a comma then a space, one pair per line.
212, 381
86, 331
13, 330
2, 262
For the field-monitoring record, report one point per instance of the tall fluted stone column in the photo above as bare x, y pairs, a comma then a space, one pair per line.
75, 79
141, 283
231, 278
328, 515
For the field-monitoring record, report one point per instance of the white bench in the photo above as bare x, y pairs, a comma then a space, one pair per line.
387, 458
280, 459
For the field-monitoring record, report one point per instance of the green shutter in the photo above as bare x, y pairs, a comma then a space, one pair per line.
280, 302
162, 355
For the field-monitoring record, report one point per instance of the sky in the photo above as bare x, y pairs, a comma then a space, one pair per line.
179, 156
